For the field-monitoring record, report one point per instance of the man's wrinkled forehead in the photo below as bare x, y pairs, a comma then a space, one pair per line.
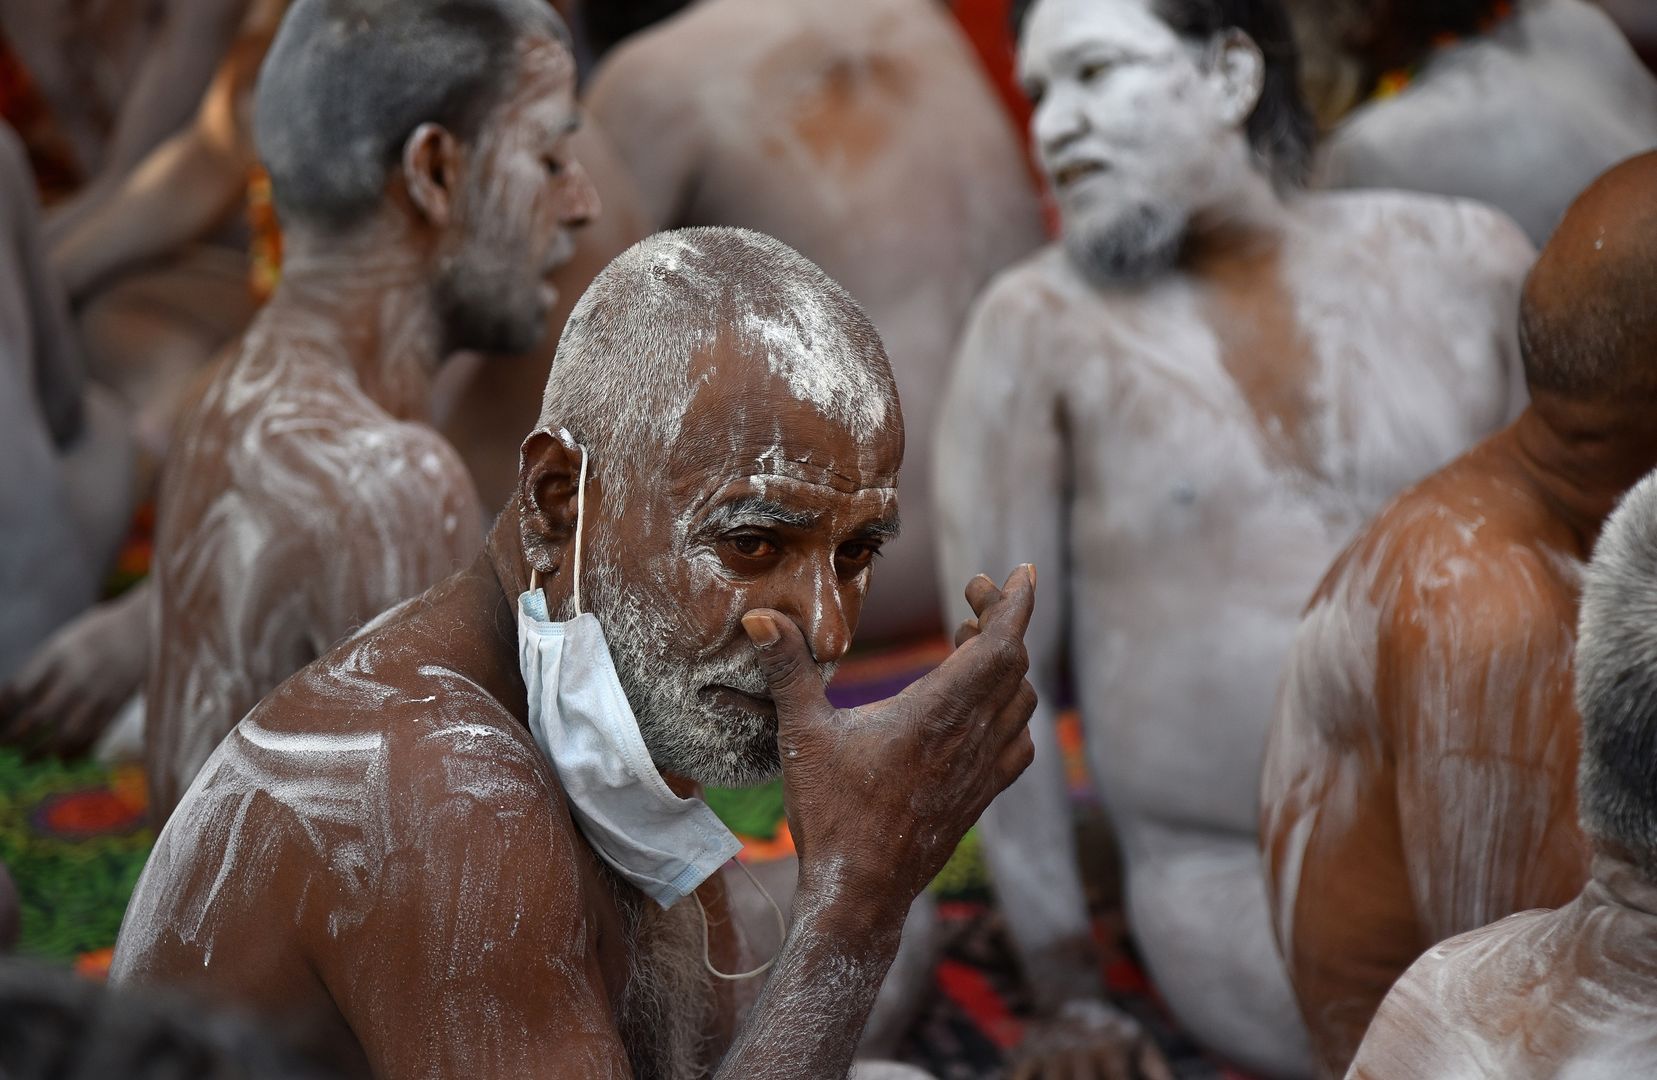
1056, 29
744, 420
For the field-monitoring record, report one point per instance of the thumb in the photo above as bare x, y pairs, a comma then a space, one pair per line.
795, 679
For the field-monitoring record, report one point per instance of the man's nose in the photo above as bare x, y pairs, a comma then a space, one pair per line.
1057, 122
580, 204
819, 612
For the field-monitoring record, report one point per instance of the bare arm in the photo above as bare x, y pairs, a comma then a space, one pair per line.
164, 95
1487, 747
58, 370
184, 187
1336, 881
999, 475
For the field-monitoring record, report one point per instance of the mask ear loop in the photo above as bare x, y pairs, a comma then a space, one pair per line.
580, 520
707, 954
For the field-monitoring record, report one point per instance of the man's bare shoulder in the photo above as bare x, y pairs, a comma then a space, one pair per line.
1464, 553
1467, 241
1456, 1007
1039, 287
438, 735
1036, 320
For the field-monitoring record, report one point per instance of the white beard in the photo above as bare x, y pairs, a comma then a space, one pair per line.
685, 735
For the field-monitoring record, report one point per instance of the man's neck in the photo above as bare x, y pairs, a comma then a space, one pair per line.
1582, 457
1244, 217
369, 296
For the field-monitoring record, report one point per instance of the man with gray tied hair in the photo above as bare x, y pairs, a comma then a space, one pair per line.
1568, 992
470, 837
1185, 409
419, 160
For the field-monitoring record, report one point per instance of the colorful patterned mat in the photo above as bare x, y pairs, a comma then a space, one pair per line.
75, 838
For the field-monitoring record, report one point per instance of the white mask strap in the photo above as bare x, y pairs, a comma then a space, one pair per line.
580, 520
782, 932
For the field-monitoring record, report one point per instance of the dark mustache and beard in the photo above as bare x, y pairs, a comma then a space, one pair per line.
687, 734
1133, 246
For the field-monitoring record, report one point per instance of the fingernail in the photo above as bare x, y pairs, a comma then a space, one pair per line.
762, 630
1030, 566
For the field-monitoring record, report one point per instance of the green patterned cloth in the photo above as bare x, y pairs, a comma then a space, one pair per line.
75, 839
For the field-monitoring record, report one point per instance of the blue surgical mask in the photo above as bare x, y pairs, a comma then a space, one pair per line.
582, 722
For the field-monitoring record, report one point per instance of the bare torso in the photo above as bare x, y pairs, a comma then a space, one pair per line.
387, 823
1566, 993
1211, 441
292, 511
1523, 118
1420, 780
864, 135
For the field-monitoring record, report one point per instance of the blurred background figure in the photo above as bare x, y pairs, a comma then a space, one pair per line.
865, 135
65, 460
192, 186
1516, 103
1638, 19
154, 298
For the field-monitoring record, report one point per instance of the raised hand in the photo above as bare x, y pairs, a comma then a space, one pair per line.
878, 796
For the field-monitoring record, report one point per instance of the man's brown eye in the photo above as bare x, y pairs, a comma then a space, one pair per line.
752, 547
859, 555
554, 167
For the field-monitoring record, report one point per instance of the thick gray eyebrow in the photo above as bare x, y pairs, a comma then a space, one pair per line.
759, 510
884, 529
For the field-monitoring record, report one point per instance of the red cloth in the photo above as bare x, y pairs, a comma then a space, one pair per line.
26, 111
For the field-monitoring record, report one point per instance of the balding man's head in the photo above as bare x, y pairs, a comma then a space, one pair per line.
1588, 321
745, 438
682, 310
1616, 682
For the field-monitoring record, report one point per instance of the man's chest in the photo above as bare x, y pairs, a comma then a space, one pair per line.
1213, 403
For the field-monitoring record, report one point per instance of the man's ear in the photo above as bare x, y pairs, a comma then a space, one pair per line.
431, 171
549, 475
1239, 69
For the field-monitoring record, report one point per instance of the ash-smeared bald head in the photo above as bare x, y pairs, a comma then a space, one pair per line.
1588, 321
685, 309
1616, 682
743, 431
347, 81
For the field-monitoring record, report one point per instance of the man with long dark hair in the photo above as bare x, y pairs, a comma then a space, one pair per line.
1188, 407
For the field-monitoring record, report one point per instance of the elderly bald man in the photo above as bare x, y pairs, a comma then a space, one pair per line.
1420, 777
470, 837
1567, 992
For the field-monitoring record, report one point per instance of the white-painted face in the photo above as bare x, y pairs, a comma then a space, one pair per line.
524, 195
1132, 125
